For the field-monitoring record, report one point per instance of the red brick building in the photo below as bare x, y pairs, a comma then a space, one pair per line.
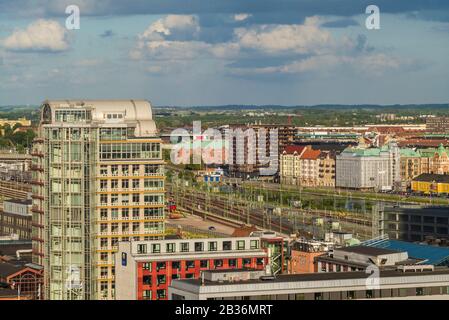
145, 269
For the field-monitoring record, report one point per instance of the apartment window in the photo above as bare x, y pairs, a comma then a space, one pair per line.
103, 170
136, 226
151, 169
114, 242
146, 266
125, 184
114, 227
161, 279
103, 198
125, 213
156, 248
114, 184
240, 245
104, 214
104, 242
136, 213
184, 247
246, 262
103, 184
161, 294
136, 183
318, 296
114, 170
114, 198
369, 294
171, 247
176, 265
254, 244
175, 276
141, 248
190, 275
218, 263
350, 295
104, 271
103, 288
114, 214
259, 261
160, 266
125, 199
125, 227
190, 264
146, 280
232, 263
204, 264
419, 291
136, 197
199, 246
125, 170
227, 245
147, 294
135, 168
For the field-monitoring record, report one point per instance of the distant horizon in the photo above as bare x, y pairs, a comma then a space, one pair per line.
186, 53
362, 105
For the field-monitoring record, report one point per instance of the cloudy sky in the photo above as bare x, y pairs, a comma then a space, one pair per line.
212, 52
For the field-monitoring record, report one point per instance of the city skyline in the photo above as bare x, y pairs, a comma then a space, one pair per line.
289, 53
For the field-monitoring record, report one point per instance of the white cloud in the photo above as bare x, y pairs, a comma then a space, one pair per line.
369, 64
304, 48
171, 50
303, 39
241, 16
171, 25
41, 35
170, 38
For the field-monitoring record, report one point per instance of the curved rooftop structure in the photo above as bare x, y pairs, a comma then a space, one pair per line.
101, 112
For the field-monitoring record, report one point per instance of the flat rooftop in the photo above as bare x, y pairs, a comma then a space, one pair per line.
309, 277
371, 251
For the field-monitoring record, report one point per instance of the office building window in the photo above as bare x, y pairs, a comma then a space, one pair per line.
156, 248
254, 244
213, 246
227, 245
171, 247
184, 247
141, 248
199, 246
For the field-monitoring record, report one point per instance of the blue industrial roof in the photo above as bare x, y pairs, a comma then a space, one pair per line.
431, 254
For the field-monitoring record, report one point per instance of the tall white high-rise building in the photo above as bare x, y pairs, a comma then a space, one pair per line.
98, 180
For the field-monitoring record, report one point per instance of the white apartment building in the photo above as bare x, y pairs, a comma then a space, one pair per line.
369, 168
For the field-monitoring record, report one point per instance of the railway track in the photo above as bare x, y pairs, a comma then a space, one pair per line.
220, 208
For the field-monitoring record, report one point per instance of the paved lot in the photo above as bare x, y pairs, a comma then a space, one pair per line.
197, 222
